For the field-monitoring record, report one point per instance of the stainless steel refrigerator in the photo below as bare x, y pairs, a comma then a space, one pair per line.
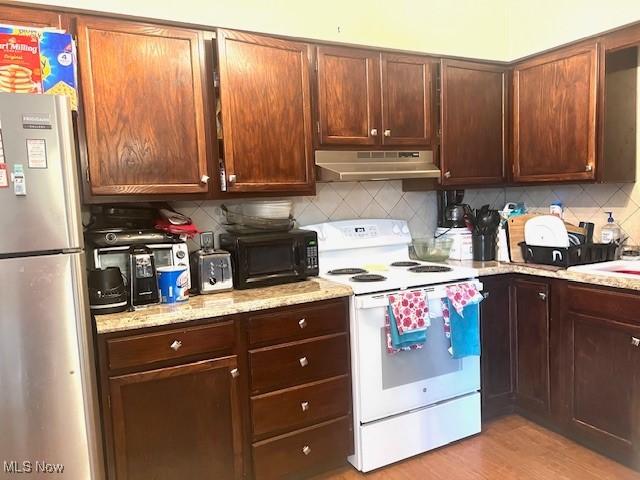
48, 406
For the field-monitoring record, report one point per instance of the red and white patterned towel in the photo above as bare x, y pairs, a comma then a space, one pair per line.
410, 310
462, 294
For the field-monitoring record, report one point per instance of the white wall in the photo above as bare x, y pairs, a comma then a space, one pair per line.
467, 28
536, 25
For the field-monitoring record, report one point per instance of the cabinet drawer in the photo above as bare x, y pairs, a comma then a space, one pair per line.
297, 407
301, 453
291, 364
604, 303
298, 323
148, 348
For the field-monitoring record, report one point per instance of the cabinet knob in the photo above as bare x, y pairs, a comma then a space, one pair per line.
232, 179
542, 295
306, 449
485, 294
302, 323
447, 174
374, 132
635, 341
204, 179
175, 346
304, 406
588, 168
387, 133
304, 362
235, 373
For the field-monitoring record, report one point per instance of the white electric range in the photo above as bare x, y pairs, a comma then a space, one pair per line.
410, 402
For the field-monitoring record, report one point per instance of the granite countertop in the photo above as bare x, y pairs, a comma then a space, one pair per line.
486, 269
223, 303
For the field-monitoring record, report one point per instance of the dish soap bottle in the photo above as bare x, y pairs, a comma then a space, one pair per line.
611, 231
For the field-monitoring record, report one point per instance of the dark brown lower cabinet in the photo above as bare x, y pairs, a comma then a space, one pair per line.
177, 422
575, 357
497, 334
604, 371
531, 307
263, 395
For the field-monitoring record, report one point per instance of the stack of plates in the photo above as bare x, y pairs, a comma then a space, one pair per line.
255, 217
273, 209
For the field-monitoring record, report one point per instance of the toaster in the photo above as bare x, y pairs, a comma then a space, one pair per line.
210, 269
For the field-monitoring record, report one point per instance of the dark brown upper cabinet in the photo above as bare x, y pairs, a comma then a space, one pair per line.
554, 116
143, 105
374, 99
348, 96
473, 122
265, 99
28, 17
407, 100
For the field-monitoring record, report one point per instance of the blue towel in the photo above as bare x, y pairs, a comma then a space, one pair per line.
407, 339
465, 331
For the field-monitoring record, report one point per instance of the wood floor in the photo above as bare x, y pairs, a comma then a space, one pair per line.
508, 448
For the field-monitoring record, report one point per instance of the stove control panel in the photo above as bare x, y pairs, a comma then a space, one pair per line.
362, 233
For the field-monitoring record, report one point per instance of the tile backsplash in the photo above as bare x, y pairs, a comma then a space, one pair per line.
587, 202
349, 200
385, 199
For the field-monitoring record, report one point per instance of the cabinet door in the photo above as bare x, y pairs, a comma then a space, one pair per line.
29, 17
178, 422
348, 96
407, 112
266, 113
473, 109
143, 107
532, 345
497, 340
606, 383
554, 104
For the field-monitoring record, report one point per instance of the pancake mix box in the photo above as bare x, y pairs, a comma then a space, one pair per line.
57, 61
20, 70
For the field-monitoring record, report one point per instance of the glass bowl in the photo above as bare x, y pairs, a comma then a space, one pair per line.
432, 249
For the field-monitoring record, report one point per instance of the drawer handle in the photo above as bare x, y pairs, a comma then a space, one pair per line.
305, 406
635, 341
302, 323
235, 373
306, 449
304, 362
175, 346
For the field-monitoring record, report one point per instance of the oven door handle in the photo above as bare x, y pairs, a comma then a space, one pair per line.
377, 301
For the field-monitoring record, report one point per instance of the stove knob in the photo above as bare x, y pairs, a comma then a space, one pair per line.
180, 254
212, 280
396, 230
405, 229
110, 237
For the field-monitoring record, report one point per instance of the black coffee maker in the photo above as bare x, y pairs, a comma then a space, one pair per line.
451, 210
143, 288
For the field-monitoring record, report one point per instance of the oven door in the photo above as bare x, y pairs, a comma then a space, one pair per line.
270, 260
392, 384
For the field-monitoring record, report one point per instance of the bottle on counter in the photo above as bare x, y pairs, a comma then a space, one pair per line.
557, 209
611, 231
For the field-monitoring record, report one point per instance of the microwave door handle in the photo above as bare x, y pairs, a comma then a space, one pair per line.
266, 277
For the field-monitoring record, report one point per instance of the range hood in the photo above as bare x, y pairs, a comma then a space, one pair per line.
346, 166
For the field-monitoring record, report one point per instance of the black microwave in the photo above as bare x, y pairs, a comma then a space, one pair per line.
263, 259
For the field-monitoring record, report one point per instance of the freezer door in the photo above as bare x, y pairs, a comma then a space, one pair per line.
47, 381
37, 141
